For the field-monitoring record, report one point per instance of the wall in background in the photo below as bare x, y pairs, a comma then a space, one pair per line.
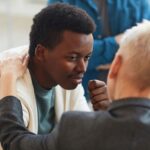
15, 21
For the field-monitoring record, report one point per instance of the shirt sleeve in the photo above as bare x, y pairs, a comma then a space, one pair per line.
103, 52
14, 135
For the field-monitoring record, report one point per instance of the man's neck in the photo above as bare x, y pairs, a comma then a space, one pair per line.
38, 74
128, 90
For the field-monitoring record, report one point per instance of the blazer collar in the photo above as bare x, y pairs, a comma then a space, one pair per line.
135, 102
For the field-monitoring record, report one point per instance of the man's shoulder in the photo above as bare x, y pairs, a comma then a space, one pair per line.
83, 116
76, 124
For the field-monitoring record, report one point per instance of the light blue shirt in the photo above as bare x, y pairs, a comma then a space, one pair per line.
45, 108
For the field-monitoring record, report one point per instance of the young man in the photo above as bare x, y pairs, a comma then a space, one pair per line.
125, 125
61, 44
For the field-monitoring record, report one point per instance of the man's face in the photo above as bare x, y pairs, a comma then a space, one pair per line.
67, 62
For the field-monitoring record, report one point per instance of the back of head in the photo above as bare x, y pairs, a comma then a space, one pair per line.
135, 49
50, 22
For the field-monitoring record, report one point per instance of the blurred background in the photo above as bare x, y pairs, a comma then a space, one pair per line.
16, 20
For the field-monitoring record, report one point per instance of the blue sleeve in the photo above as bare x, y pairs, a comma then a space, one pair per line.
53, 1
103, 52
145, 10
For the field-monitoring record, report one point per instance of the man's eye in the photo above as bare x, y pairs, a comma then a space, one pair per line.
87, 57
73, 58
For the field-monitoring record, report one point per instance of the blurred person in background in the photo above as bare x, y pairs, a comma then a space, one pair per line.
112, 18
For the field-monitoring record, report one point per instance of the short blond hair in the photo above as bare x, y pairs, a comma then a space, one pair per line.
135, 49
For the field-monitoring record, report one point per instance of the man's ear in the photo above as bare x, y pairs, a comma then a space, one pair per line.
40, 52
115, 66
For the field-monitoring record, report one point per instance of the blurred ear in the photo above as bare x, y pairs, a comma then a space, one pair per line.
40, 52
115, 67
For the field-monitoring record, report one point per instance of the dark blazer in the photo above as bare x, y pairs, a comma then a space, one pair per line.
124, 126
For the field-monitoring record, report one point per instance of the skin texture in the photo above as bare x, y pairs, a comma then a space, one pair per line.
65, 64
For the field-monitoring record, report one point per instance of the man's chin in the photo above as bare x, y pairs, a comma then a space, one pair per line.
70, 87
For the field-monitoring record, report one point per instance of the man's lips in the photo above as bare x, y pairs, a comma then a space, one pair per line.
77, 79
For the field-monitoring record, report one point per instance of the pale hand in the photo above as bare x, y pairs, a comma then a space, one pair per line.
16, 66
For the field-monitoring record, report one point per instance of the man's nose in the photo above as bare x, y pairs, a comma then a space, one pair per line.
82, 65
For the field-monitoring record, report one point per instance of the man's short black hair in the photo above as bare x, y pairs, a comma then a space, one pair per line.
50, 22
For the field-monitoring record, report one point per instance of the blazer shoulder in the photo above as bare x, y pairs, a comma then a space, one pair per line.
76, 117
